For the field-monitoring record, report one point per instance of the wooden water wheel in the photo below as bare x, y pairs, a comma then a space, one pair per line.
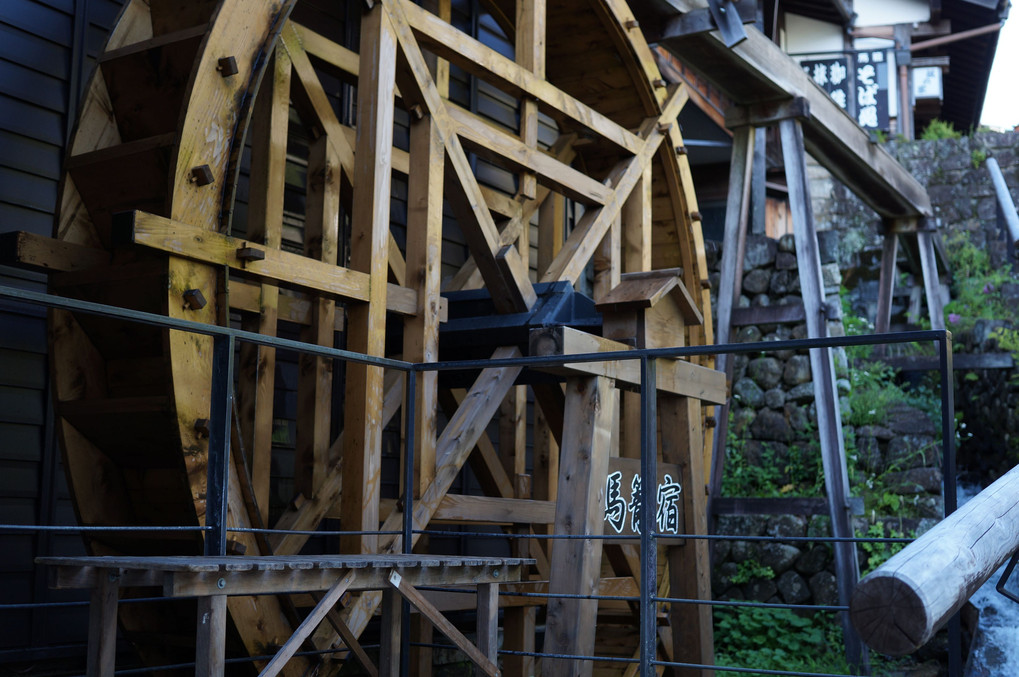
237, 162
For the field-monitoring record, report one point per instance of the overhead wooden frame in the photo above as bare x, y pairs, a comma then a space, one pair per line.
168, 213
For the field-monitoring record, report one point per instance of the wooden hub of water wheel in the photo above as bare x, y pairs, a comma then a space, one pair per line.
339, 173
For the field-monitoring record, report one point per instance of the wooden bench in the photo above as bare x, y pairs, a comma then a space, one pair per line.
212, 579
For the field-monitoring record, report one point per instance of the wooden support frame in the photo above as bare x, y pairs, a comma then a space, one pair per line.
362, 448
829, 420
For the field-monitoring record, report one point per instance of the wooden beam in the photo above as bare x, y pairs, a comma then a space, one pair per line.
362, 429
505, 276
46, 254
822, 366
310, 622
484, 62
758, 70
102, 627
580, 510
315, 374
455, 443
257, 374
587, 235
674, 376
530, 54
690, 564
931, 285
886, 283
424, 261
210, 641
291, 270
502, 148
419, 602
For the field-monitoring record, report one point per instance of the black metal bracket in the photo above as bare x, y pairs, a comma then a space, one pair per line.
1000, 587
725, 16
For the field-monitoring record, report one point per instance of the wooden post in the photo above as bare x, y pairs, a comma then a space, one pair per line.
210, 642
315, 386
102, 627
256, 380
690, 563
931, 286
530, 53
488, 620
886, 283
576, 564
392, 617
898, 607
362, 449
730, 281
829, 420
424, 262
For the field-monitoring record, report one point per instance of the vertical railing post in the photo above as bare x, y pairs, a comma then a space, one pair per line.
648, 485
948, 470
219, 445
408, 508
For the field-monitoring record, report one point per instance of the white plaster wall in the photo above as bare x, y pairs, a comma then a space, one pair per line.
891, 12
803, 35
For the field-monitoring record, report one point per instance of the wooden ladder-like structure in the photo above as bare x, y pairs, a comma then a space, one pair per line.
216, 176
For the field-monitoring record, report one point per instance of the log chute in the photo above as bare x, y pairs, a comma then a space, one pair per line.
898, 607
285, 166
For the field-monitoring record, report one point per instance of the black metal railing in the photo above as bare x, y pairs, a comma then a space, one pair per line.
216, 527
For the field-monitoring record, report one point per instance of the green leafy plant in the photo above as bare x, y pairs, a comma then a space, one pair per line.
750, 570
939, 129
879, 553
977, 157
778, 639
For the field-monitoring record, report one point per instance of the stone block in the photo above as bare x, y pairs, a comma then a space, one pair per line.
756, 281
796, 371
813, 561
771, 425
774, 398
748, 393
793, 526
766, 371
793, 588
824, 589
760, 251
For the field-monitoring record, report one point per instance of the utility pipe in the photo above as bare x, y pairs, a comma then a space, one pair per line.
1004, 199
956, 37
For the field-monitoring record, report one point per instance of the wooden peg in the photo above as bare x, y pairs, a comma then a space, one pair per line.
681, 150
710, 422
705, 284
201, 175
227, 66
250, 254
202, 427
695, 216
659, 82
631, 24
417, 112
194, 299
664, 127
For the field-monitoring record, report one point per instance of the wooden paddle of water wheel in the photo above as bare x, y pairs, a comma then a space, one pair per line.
223, 170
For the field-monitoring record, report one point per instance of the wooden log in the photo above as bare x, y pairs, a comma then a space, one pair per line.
898, 608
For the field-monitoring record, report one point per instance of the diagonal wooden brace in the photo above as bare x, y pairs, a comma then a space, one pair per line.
443, 625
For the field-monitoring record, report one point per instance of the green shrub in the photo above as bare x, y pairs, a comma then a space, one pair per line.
939, 129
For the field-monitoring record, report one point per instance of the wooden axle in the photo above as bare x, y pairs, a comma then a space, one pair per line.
898, 608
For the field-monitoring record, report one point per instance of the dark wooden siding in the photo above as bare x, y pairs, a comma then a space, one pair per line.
47, 48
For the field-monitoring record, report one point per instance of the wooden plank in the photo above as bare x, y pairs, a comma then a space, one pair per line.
790, 313
210, 641
292, 270
580, 510
689, 564
822, 366
311, 621
484, 460
362, 448
512, 292
419, 602
424, 263
484, 62
463, 508
102, 627
674, 376
352, 643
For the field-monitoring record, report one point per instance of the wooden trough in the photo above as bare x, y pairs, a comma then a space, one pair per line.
223, 171
898, 607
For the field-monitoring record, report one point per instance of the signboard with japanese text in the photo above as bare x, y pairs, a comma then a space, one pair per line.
872, 89
927, 82
832, 75
623, 505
